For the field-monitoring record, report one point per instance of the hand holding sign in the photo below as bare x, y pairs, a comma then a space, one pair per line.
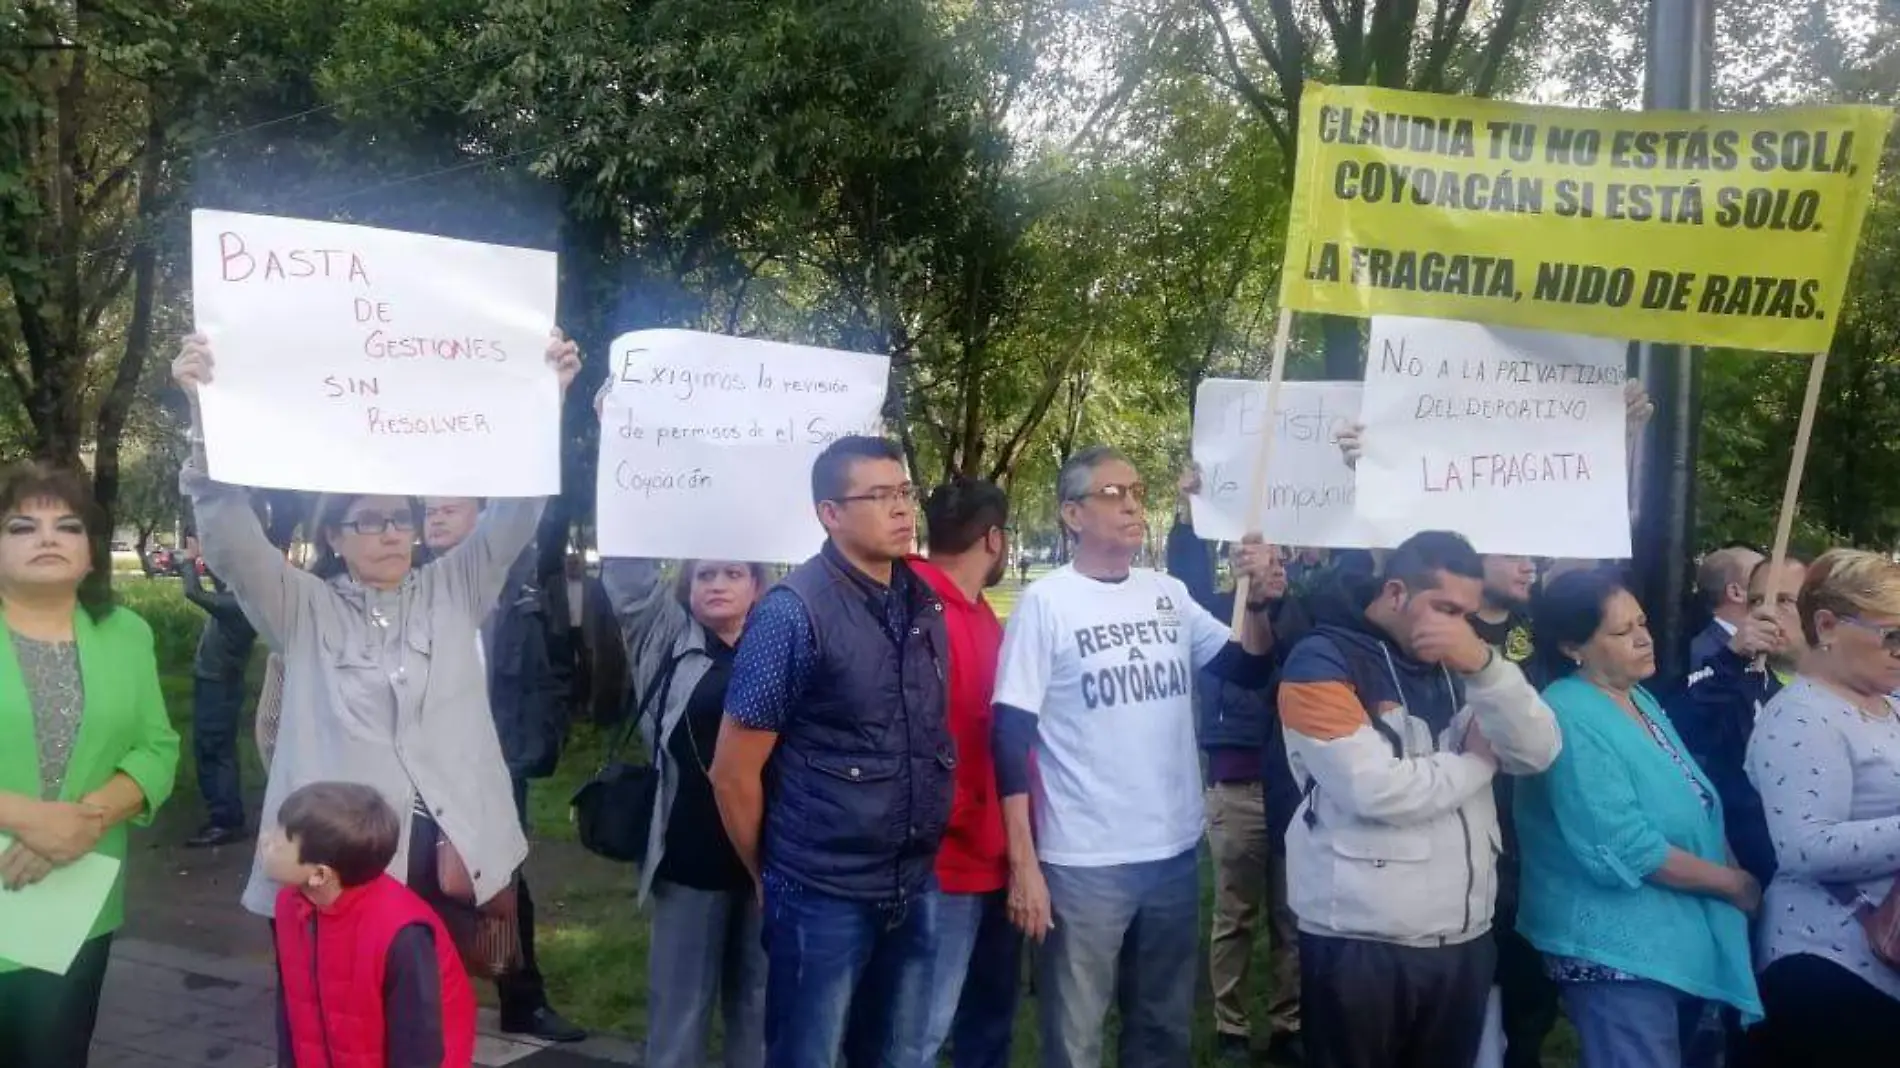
565, 357
1264, 567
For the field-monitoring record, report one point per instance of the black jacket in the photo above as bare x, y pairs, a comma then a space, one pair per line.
224, 647
1231, 715
527, 685
1715, 715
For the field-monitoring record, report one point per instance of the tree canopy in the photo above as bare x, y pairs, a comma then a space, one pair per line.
1057, 218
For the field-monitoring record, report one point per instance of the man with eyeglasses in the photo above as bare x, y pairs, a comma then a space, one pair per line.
1726, 691
833, 772
1096, 684
527, 696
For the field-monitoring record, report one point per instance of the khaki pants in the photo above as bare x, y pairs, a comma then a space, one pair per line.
1246, 877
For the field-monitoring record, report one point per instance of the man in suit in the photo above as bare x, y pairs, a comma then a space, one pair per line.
1722, 583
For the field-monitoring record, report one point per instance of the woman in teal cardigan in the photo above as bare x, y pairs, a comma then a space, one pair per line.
85, 743
1628, 887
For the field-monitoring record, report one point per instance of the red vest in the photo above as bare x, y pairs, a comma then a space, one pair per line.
331, 963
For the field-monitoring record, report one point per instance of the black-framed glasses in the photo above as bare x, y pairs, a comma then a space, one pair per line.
886, 496
1116, 493
374, 525
1889, 636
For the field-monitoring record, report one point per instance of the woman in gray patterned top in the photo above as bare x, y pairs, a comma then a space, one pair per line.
383, 678
1826, 758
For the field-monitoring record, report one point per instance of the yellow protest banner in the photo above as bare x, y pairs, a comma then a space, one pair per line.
1700, 228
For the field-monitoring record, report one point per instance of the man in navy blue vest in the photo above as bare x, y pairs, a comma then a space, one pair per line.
833, 772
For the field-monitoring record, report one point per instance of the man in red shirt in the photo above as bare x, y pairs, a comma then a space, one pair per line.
977, 958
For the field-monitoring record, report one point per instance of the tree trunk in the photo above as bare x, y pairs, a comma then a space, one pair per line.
116, 406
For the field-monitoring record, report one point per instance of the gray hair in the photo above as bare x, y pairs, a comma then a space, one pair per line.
1078, 472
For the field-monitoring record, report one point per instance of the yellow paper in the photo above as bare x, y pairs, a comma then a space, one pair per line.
42, 926
1733, 229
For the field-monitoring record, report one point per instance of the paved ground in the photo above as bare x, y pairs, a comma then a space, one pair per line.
166, 1007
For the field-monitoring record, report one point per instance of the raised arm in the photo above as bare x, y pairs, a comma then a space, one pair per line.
474, 573
646, 609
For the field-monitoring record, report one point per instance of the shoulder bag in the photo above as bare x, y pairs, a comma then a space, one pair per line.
613, 812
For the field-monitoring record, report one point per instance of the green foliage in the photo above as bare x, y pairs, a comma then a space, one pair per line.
1057, 219
175, 622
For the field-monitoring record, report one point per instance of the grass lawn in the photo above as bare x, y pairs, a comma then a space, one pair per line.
592, 941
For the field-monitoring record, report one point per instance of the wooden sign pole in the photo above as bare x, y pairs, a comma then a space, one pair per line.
1791, 494
1257, 494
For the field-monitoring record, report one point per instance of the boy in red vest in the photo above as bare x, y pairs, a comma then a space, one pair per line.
367, 976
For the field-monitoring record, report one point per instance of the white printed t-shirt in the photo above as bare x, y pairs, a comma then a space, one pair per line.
1108, 670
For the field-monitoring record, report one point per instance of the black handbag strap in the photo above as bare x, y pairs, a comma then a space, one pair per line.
655, 698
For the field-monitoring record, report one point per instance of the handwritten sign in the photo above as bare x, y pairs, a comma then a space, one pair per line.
1309, 498
1513, 438
1710, 228
351, 359
707, 442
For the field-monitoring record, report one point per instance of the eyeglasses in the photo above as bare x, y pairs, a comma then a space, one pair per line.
886, 496
1889, 636
373, 524
1114, 493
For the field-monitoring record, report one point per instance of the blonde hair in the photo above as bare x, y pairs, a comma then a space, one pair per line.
1849, 582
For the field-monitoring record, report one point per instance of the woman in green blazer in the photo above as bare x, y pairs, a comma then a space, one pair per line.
85, 743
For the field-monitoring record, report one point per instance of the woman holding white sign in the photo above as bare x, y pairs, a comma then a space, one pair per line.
383, 680
680, 638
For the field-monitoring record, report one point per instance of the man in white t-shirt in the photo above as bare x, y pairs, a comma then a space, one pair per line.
1096, 681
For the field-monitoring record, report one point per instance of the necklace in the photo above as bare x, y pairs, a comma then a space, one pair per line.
1881, 711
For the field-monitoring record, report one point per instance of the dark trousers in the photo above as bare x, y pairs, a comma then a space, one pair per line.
1820, 1015
216, 707
1527, 997
522, 991
1377, 1005
46, 1020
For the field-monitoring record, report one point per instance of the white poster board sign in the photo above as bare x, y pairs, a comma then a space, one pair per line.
352, 359
707, 442
1309, 495
1513, 438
